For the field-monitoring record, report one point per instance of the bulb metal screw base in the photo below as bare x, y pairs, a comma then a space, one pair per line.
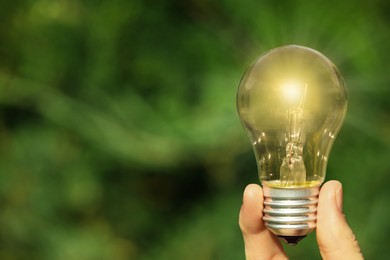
290, 212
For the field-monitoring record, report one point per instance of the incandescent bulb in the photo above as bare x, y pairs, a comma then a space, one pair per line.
292, 101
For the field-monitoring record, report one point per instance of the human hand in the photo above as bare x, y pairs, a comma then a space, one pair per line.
334, 237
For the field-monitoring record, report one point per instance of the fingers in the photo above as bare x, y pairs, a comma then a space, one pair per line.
260, 243
335, 238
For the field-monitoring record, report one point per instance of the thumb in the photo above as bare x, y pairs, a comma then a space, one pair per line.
335, 238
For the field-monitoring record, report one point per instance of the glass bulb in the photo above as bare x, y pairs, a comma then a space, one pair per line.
292, 101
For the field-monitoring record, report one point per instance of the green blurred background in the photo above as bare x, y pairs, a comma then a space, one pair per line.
119, 137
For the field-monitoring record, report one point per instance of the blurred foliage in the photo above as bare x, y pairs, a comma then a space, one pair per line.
119, 137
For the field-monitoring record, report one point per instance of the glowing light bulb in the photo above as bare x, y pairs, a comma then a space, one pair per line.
292, 101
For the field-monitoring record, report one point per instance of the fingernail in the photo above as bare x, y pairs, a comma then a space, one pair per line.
245, 194
339, 198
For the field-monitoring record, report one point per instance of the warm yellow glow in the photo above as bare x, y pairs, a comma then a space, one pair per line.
292, 91
280, 184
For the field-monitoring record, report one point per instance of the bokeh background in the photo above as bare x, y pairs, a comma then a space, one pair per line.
119, 137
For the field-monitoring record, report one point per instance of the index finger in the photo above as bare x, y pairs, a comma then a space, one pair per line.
260, 243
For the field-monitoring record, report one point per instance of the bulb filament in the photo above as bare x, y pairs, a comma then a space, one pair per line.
293, 170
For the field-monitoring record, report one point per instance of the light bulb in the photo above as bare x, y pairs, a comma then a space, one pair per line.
292, 101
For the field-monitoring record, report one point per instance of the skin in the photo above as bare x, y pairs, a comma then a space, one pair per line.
334, 237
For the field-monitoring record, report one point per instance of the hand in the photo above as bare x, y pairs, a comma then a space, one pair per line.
335, 238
